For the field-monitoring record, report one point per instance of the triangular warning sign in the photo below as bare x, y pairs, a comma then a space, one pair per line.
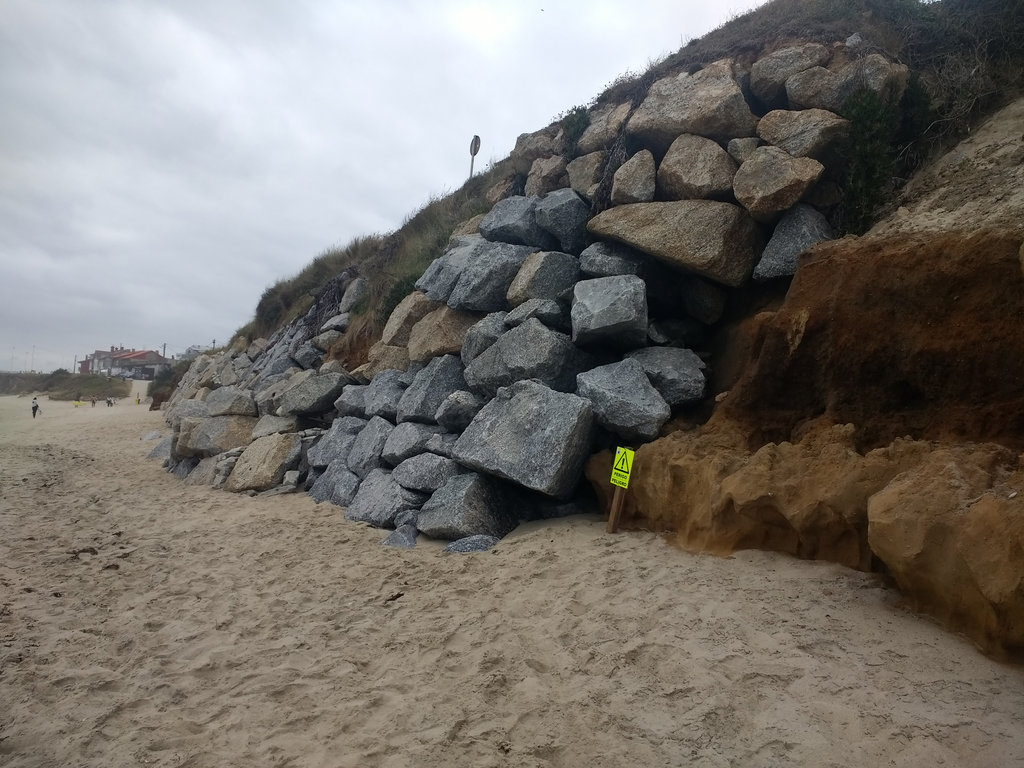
622, 462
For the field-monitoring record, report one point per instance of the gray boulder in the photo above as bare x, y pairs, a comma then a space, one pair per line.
532, 435
406, 440
384, 393
624, 400
467, 505
677, 374
429, 388
798, 229
337, 323
315, 394
380, 500
307, 356
352, 401
365, 454
609, 259
552, 313
338, 484
403, 537
529, 351
481, 335
458, 410
426, 472
478, 543
161, 450
355, 292
197, 409
485, 280
439, 279
564, 214
208, 437
231, 401
610, 311
544, 275
514, 220
443, 444
335, 442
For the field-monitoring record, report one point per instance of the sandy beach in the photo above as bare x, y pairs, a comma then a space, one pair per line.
144, 621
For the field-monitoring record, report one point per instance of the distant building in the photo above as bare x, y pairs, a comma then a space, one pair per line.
127, 363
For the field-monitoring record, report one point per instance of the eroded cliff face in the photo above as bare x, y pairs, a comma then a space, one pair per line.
876, 417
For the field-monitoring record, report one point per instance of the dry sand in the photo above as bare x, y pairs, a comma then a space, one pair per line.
145, 621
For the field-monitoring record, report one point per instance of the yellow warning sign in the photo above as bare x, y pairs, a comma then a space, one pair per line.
622, 467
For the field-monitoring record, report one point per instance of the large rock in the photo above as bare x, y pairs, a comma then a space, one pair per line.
263, 463
357, 290
383, 394
772, 181
564, 214
368, 447
951, 537
409, 311
798, 229
624, 401
768, 75
708, 103
486, 278
546, 175
677, 374
467, 505
544, 275
585, 174
824, 89
382, 357
440, 377
604, 259
439, 279
603, 129
554, 314
634, 181
440, 332
481, 335
380, 500
514, 220
192, 409
610, 311
529, 351
210, 436
406, 440
352, 400
458, 410
531, 146
805, 132
532, 435
702, 299
338, 484
231, 401
336, 442
426, 472
717, 240
315, 394
695, 168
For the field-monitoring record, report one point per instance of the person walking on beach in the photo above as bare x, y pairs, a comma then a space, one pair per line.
35, 407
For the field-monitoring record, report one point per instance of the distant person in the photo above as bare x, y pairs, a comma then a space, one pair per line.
35, 407
94, 401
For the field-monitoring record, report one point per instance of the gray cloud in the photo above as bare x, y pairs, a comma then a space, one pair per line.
161, 164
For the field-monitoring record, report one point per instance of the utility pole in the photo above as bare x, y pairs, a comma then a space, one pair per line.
164, 353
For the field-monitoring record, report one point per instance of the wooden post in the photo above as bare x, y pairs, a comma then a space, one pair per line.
618, 497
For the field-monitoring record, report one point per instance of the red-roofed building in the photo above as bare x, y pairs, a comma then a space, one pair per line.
129, 363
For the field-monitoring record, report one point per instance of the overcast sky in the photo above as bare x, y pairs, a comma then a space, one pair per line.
162, 163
